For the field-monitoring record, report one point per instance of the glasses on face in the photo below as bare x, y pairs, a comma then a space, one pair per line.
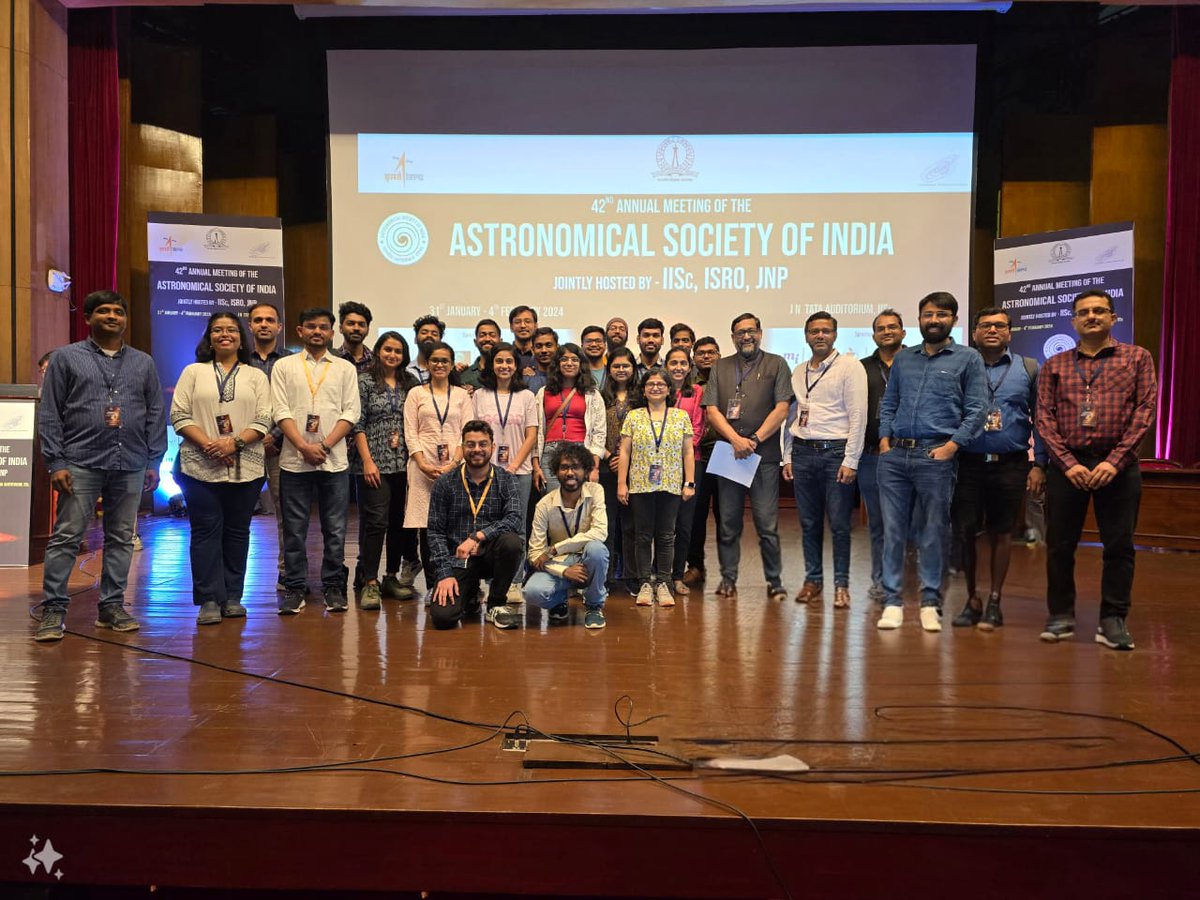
706, 351
745, 332
230, 330
1092, 311
439, 362
654, 386
593, 340
992, 326
892, 327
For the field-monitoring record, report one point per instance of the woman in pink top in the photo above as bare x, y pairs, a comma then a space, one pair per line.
679, 367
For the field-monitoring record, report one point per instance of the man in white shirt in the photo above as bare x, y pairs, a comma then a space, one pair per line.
566, 546
316, 404
821, 449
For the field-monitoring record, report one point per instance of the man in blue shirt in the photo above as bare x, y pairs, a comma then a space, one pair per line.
993, 470
934, 404
103, 431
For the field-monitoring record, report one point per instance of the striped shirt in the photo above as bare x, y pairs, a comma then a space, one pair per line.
83, 388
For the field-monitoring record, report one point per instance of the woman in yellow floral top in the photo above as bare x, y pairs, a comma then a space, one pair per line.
655, 474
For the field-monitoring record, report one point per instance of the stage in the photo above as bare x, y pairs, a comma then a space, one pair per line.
366, 752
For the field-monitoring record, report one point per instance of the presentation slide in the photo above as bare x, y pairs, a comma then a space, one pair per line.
689, 186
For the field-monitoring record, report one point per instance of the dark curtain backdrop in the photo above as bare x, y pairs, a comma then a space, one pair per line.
1179, 359
94, 129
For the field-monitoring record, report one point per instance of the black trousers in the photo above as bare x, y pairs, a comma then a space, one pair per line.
498, 561
654, 516
706, 496
1116, 507
622, 558
380, 517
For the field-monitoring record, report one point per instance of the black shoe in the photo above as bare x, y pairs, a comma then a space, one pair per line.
1058, 628
391, 589
970, 615
992, 618
116, 617
335, 599
210, 613
504, 617
233, 611
560, 613
292, 603
1112, 634
726, 588
52, 624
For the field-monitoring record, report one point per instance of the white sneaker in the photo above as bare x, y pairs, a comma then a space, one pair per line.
930, 620
892, 618
514, 596
137, 543
663, 594
645, 595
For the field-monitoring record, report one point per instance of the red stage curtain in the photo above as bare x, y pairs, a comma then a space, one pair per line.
95, 155
1179, 359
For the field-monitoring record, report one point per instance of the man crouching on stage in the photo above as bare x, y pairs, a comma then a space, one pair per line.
474, 531
566, 546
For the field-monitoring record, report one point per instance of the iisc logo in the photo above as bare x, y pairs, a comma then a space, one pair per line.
403, 239
1057, 344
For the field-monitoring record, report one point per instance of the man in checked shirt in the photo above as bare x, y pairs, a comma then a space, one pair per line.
1095, 404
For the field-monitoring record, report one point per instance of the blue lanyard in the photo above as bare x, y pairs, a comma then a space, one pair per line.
223, 383
507, 409
661, 433
437, 410
578, 518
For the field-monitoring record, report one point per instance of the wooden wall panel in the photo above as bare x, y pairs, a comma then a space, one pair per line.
242, 196
305, 270
1030, 207
1129, 183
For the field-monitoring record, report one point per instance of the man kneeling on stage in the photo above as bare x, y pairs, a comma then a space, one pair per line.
474, 531
566, 547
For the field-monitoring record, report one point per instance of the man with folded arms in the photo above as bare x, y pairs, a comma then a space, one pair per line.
1095, 405
934, 403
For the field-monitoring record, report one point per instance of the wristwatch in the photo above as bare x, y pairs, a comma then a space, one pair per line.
324, 447
754, 438
238, 445
690, 484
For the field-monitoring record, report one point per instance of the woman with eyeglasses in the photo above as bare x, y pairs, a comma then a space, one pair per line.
380, 469
434, 415
656, 473
221, 409
505, 403
678, 364
620, 394
569, 409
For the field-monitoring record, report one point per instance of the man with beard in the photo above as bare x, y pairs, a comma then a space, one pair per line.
888, 333
746, 401
487, 336
566, 546
545, 345
592, 342
103, 431
474, 532
427, 331
935, 402
316, 404
354, 322
1095, 405
523, 322
705, 352
650, 341
616, 331
265, 328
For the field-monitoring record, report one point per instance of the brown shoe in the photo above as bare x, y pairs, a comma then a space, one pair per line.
810, 593
693, 575
726, 588
841, 598
681, 589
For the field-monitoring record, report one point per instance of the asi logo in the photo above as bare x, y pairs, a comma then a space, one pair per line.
216, 239
403, 239
1060, 253
675, 157
1056, 344
940, 170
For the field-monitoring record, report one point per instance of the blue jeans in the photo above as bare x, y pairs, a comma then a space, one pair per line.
220, 514
868, 486
764, 509
548, 591
297, 490
122, 491
814, 473
906, 477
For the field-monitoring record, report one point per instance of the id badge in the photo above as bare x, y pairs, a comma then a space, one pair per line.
1087, 416
502, 455
656, 474
994, 421
393, 439
313, 424
112, 416
733, 411
443, 453
802, 417
224, 425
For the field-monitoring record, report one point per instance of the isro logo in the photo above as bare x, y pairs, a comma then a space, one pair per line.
401, 171
170, 245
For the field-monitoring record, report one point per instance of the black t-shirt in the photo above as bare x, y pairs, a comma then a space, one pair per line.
764, 382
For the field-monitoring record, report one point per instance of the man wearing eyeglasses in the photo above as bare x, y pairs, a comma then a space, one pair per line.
595, 345
993, 470
1095, 405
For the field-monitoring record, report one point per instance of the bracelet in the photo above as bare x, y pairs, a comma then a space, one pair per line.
323, 447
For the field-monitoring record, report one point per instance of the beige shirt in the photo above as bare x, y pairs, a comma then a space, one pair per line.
326, 388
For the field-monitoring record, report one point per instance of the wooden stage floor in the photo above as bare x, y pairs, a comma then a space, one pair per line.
941, 764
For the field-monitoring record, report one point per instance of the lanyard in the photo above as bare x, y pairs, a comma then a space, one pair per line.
110, 383
393, 395
578, 518
476, 507
507, 409
661, 433
1088, 382
742, 373
313, 388
808, 388
442, 416
993, 388
223, 383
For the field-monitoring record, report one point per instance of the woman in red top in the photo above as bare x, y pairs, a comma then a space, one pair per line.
569, 409
679, 367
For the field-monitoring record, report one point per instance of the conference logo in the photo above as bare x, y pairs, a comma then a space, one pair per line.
216, 239
401, 172
1111, 255
1060, 253
940, 170
47, 858
1014, 266
170, 245
403, 239
1057, 343
261, 251
675, 157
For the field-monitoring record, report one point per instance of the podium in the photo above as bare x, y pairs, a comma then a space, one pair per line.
26, 499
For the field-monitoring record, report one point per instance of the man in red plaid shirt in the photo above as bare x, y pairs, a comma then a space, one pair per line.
1095, 404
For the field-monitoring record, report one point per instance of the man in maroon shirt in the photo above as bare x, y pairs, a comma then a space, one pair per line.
1095, 404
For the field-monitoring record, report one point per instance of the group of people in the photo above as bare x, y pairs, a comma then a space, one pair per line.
550, 469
